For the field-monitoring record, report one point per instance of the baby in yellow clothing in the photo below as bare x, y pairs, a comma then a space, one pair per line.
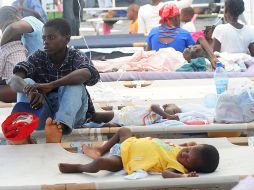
148, 154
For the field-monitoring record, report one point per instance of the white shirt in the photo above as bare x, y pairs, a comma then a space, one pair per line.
189, 26
148, 15
234, 40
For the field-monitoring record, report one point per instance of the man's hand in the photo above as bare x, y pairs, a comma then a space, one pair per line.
36, 100
42, 88
45, 87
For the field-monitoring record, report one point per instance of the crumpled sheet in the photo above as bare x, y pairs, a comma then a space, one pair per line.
236, 62
166, 59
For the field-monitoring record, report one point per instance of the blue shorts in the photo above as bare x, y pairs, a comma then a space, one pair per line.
115, 150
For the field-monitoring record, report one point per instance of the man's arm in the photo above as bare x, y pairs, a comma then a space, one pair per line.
78, 76
15, 29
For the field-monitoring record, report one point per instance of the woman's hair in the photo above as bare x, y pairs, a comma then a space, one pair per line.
60, 25
235, 7
9, 13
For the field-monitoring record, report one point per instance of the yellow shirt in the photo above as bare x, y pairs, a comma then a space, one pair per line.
149, 154
133, 29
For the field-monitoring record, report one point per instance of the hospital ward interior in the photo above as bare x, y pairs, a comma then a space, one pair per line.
127, 94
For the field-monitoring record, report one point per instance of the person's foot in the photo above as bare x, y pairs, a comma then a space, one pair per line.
70, 168
91, 152
53, 131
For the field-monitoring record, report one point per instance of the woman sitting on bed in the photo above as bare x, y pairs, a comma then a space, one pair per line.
233, 37
169, 33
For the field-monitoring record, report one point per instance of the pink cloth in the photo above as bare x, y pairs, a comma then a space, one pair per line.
196, 35
166, 59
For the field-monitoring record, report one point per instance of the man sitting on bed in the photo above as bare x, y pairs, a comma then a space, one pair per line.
149, 155
136, 115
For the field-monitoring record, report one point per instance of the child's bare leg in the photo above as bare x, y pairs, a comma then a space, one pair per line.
53, 131
113, 164
120, 136
104, 117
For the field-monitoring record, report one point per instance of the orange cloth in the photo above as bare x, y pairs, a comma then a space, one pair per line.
133, 29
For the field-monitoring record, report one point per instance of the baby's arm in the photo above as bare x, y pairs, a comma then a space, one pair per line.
171, 173
156, 109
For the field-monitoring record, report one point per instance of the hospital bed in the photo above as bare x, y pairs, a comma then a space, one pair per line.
150, 75
36, 167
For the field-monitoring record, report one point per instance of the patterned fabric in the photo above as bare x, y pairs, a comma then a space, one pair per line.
41, 69
11, 54
115, 150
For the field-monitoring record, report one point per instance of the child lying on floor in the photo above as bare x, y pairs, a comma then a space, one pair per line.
137, 115
132, 154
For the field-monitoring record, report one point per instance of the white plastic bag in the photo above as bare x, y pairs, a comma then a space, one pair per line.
235, 108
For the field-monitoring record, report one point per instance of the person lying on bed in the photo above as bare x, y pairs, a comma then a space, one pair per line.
136, 115
148, 154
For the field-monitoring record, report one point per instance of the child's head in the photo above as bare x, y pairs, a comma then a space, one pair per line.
233, 8
186, 14
171, 109
170, 15
209, 32
193, 52
56, 35
8, 15
201, 158
133, 11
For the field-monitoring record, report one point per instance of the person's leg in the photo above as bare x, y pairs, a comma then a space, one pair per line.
120, 136
68, 14
73, 105
113, 164
104, 117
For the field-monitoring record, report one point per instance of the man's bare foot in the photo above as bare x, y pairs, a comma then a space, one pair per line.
53, 131
70, 168
91, 152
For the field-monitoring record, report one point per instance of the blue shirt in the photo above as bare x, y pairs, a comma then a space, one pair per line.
182, 39
34, 5
33, 41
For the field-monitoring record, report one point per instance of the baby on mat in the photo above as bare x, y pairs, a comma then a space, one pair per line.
137, 115
147, 154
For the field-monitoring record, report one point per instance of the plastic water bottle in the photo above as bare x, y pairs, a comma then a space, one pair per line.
221, 78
